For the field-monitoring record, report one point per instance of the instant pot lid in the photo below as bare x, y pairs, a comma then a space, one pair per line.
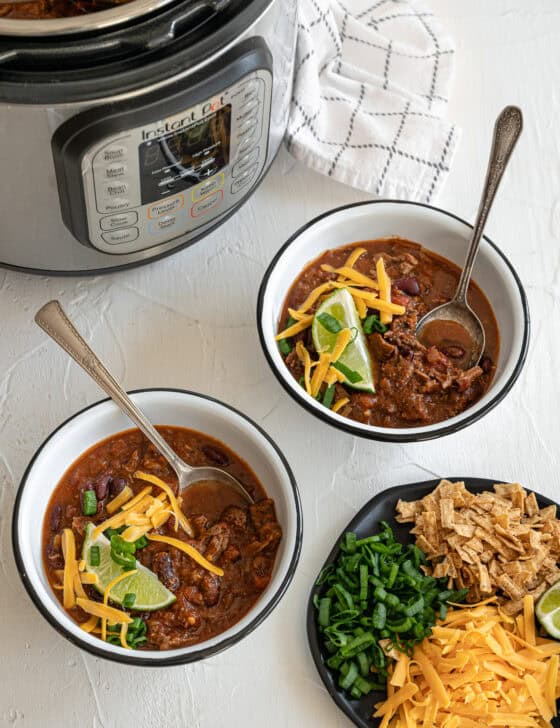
88, 22
119, 60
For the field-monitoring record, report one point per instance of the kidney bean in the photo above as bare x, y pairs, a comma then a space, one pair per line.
116, 485
56, 517
218, 457
453, 352
408, 285
102, 487
486, 364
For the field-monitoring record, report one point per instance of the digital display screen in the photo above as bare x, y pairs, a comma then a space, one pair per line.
180, 159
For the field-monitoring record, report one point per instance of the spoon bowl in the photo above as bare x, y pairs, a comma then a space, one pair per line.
52, 319
468, 336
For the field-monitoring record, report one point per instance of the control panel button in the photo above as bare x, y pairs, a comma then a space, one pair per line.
111, 222
247, 110
206, 188
115, 189
118, 237
116, 205
112, 153
245, 161
114, 171
207, 203
246, 144
165, 207
243, 179
171, 224
250, 89
247, 126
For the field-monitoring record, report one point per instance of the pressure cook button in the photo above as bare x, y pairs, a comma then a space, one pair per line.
114, 171
113, 153
207, 203
115, 189
111, 222
115, 205
119, 237
165, 207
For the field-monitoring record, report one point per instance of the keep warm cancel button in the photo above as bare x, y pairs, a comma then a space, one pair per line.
207, 203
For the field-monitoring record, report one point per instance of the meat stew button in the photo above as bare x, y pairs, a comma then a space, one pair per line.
118, 237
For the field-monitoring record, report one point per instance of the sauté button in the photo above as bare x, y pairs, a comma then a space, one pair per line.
119, 237
110, 222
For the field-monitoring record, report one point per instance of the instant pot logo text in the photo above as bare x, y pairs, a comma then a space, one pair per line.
166, 127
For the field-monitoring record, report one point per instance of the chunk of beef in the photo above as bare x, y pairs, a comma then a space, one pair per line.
465, 379
381, 349
210, 588
262, 512
193, 595
79, 524
163, 566
231, 554
215, 455
219, 540
199, 523
294, 364
236, 517
261, 569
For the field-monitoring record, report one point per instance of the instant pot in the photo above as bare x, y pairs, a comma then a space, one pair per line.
129, 133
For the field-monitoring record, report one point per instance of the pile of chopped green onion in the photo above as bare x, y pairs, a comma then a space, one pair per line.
135, 636
374, 599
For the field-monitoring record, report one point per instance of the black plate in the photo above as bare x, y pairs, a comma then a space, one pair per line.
366, 522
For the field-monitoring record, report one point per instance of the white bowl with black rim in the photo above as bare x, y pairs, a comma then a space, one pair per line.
438, 231
166, 407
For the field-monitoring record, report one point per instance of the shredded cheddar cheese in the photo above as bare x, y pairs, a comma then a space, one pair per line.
339, 404
313, 296
189, 550
294, 329
320, 372
119, 500
297, 315
101, 610
305, 359
384, 290
353, 275
124, 630
353, 257
376, 303
361, 307
476, 670
180, 517
90, 624
138, 499
106, 595
69, 553
342, 341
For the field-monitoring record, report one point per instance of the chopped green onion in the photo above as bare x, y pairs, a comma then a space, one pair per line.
128, 601
328, 396
372, 323
94, 556
89, 503
351, 375
351, 674
324, 611
141, 542
330, 323
285, 346
119, 544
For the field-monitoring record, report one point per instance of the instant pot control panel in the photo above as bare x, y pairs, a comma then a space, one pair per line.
127, 187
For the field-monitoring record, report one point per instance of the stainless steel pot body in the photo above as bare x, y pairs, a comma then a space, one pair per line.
33, 235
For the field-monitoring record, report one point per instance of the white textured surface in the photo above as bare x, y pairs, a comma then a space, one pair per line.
188, 321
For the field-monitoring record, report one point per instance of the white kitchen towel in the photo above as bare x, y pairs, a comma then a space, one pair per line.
371, 85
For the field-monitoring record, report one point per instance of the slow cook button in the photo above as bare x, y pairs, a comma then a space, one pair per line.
119, 237
244, 179
165, 207
207, 204
111, 222
116, 205
167, 224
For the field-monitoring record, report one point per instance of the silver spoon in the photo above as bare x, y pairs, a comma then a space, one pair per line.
507, 129
58, 326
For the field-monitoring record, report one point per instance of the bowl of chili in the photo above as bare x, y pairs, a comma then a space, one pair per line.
256, 547
390, 387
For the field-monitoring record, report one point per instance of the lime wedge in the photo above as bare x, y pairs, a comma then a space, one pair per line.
340, 305
150, 592
548, 610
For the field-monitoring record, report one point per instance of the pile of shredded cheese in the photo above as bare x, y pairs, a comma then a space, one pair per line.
480, 667
140, 514
378, 298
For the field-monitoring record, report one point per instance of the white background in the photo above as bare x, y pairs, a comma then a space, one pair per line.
189, 321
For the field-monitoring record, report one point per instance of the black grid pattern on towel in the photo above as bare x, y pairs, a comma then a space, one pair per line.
306, 119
